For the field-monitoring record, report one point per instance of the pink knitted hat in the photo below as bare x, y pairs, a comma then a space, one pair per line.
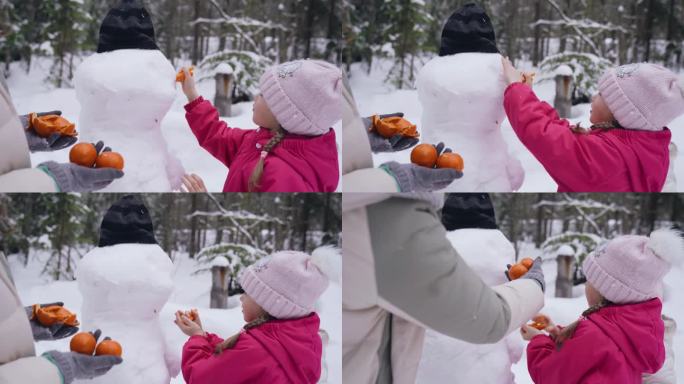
287, 284
304, 95
630, 269
642, 96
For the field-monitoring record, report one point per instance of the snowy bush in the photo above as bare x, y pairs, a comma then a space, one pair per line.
581, 243
587, 69
239, 256
247, 69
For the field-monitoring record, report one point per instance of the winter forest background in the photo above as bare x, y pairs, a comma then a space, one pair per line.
241, 227
250, 35
548, 221
590, 35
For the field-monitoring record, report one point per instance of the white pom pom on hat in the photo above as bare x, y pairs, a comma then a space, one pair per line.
329, 260
667, 244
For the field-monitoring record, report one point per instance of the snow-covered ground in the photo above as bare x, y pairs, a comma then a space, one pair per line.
190, 291
31, 93
373, 96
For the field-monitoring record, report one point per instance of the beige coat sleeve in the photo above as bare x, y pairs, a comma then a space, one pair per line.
16, 174
358, 172
27, 180
30, 370
18, 363
421, 277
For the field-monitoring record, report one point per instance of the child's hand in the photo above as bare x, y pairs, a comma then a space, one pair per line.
187, 326
193, 184
189, 87
528, 332
511, 75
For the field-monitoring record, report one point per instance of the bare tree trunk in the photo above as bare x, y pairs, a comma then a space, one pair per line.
196, 35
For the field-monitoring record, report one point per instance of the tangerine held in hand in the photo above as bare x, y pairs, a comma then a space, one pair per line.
110, 160
180, 77
108, 347
450, 160
83, 342
424, 155
516, 271
83, 154
540, 322
527, 262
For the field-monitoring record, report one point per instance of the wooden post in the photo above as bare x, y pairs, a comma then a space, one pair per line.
566, 267
224, 85
564, 86
220, 276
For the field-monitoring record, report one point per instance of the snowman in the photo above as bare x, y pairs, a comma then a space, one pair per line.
125, 90
124, 283
474, 234
461, 93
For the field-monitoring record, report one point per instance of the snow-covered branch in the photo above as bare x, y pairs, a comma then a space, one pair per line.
583, 24
577, 30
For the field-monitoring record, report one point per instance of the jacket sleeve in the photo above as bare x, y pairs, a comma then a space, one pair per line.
27, 180
200, 364
196, 351
213, 134
420, 276
369, 180
30, 370
569, 157
587, 354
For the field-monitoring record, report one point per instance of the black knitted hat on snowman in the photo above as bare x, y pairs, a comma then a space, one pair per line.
127, 222
127, 26
469, 29
468, 210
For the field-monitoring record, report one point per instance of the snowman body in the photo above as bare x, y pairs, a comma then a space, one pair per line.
462, 100
124, 96
124, 288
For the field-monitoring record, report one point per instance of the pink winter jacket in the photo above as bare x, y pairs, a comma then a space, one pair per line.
296, 164
616, 160
614, 345
277, 352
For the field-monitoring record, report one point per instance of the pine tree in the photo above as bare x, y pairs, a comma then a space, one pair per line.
407, 38
66, 36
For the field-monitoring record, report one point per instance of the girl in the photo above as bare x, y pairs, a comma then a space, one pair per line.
626, 149
280, 342
620, 336
294, 148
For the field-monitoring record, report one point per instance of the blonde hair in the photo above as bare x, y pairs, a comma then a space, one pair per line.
255, 178
569, 331
230, 342
607, 126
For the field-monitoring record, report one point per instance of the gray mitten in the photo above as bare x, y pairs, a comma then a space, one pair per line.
535, 273
393, 144
40, 144
53, 332
75, 178
414, 178
74, 365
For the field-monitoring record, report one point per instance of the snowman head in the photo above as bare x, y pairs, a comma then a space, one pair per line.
127, 26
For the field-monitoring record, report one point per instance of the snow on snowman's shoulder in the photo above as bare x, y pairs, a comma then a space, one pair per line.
486, 251
126, 69
466, 74
125, 262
